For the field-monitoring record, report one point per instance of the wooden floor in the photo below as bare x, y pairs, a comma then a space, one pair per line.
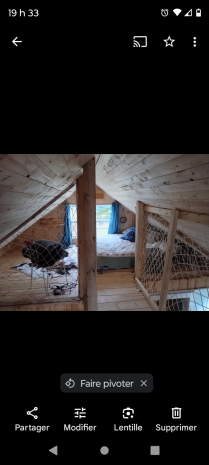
116, 290
15, 285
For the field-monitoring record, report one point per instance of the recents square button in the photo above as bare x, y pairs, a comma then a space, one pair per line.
155, 450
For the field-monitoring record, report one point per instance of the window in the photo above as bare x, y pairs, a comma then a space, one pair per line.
73, 216
103, 215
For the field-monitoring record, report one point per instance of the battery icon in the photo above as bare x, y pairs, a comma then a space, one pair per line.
198, 12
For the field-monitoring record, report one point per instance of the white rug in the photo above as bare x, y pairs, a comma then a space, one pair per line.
38, 272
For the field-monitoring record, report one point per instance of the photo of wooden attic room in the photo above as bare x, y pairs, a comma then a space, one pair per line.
104, 232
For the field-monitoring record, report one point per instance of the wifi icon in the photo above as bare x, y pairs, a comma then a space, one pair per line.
177, 11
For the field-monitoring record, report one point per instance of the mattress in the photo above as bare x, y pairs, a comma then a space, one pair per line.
110, 245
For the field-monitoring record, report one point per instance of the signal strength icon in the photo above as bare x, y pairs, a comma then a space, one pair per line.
177, 11
189, 13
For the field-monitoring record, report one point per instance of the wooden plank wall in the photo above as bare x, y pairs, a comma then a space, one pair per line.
163, 180
41, 230
53, 230
102, 198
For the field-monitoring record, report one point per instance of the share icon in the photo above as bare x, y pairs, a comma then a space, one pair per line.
30, 413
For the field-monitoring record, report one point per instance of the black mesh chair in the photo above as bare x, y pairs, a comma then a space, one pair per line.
44, 254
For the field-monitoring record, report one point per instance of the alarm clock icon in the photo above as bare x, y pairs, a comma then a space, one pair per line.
164, 13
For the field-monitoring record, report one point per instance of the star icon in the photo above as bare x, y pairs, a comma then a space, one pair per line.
169, 41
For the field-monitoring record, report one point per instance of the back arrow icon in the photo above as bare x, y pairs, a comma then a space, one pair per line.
15, 41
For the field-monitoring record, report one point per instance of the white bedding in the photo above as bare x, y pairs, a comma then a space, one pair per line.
110, 245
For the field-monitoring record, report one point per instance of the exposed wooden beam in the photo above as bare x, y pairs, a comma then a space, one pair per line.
52, 222
195, 217
146, 295
82, 283
187, 216
159, 211
139, 238
168, 258
90, 228
177, 285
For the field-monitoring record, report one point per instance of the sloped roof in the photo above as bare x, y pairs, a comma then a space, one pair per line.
30, 182
170, 181
161, 180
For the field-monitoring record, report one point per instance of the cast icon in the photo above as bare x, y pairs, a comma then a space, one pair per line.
140, 41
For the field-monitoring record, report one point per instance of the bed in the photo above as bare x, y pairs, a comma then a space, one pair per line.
114, 252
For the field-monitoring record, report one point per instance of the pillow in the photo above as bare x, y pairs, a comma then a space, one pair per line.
125, 231
130, 235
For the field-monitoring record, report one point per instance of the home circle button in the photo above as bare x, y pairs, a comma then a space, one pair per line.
104, 450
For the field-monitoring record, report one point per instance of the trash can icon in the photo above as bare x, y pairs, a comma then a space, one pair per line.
176, 412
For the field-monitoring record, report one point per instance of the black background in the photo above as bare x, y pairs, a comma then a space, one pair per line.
77, 84
57, 343
102, 33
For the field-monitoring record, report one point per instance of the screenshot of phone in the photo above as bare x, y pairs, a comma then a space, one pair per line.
97, 248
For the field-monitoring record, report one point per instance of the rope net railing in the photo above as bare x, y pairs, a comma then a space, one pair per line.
154, 244
189, 274
41, 264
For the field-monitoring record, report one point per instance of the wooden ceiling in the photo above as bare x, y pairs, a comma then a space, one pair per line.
160, 180
163, 181
29, 182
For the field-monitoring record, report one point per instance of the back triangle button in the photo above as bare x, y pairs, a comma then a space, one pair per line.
54, 450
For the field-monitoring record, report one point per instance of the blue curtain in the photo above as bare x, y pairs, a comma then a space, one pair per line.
67, 238
114, 220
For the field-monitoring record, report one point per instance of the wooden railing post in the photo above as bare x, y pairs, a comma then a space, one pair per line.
81, 232
139, 238
168, 258
90, 231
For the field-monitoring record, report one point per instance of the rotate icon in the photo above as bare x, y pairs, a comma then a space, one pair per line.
70, 383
